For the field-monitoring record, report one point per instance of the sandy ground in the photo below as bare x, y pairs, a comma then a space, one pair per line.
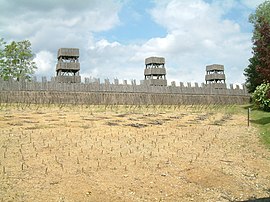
58, 153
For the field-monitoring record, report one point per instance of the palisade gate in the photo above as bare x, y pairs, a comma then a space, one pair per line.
66, 87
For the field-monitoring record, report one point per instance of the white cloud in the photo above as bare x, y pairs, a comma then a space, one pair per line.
45, 62
111, 60
198, 34
54, 20
50, 25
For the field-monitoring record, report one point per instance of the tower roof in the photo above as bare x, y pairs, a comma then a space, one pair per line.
154, 60
215, 67
68, 52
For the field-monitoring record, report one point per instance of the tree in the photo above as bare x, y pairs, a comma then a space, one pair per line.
252, 76
2, 43
262, 49
16, 61
262, 12
261, 96
255, 72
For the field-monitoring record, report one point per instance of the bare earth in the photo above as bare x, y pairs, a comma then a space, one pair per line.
81, 153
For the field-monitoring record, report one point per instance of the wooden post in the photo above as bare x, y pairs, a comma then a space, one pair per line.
249, 110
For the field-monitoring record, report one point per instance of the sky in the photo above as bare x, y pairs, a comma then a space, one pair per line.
115, 36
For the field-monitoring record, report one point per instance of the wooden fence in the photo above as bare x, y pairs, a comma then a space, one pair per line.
46, 92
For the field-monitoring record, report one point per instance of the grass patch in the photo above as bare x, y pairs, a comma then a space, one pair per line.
261, 119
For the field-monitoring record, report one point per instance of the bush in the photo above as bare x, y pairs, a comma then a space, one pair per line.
261, 96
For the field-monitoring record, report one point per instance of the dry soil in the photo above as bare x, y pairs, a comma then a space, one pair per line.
125, 153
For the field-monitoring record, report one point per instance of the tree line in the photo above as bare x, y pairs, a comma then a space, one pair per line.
258, 71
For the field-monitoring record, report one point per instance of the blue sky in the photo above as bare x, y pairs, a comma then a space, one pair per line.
136, 24
115, 36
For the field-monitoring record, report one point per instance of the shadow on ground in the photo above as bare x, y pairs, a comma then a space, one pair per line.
261, 121
258, 200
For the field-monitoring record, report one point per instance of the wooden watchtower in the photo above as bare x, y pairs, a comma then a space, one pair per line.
215, 76
155, 72
68, 66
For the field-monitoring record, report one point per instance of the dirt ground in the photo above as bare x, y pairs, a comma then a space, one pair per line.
99, 153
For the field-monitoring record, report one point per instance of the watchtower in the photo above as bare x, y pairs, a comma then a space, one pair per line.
68, 66
155, 72
215, 76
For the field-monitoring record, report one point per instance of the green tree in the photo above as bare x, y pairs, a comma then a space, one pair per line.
261, 96
262, 12
2, 43
256, 68
17, 61
252, 76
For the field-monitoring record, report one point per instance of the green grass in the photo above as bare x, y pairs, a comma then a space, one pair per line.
261, 120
